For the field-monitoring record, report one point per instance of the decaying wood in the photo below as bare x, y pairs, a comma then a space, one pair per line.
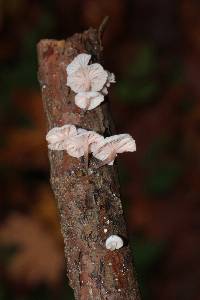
88, 200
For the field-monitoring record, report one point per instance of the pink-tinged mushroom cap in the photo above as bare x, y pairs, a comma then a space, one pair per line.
122, 142
80, 61
82, 143
98, 77
108, 149
57, 135
88, 100
92, 138
87, 78
114, 242
75, 146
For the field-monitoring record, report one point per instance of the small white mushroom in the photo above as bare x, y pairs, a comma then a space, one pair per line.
83, 77
107, 150
57, 135
92, 138
75, 146
88, 78
88, 100
80, 61
82, 143
114, 242
110, 79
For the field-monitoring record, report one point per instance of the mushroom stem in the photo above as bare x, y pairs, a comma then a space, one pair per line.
86, 154
88, 105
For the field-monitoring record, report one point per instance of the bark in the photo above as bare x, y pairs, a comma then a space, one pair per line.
88, 200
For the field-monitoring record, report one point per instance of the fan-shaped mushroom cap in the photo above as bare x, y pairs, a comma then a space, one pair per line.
88, 100
82, 143
75, 146
122, 142
87, 78
114, 242
57, 135
92, 138
81, 60
98, 77
112, 145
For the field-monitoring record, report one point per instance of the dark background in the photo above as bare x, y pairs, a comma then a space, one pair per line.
153, 47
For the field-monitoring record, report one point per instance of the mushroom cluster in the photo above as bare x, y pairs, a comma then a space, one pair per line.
80, 142
89, 81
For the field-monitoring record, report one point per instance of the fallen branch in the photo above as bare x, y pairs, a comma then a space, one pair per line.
88, 200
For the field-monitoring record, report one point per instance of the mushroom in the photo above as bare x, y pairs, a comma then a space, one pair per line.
89, 78
110, 79
57, 135
80, 61
107, 150
83, 77
88, 100
88, 81
114, 242
82, 143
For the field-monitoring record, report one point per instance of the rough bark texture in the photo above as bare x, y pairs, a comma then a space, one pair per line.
89, 201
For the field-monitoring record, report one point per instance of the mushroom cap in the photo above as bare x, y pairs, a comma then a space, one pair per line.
122, 142
81, 60
88, 100
91, 138
98, 77
88, 78
111, 78
114, 242
112, 145
75, 146
56, 136
81, 143
104, 152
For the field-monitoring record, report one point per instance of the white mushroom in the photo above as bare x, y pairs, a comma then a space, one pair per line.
57, 135
82, 144
88, 100
80, 61
110, 79
88, 78
75, 146
92, 138
114, 242
107, 150
83, 77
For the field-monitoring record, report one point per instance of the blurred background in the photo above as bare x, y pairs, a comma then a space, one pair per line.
153, 47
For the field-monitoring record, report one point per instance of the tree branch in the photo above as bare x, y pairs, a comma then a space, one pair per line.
88, 200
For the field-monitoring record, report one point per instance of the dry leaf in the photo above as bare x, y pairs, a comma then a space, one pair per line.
39, 256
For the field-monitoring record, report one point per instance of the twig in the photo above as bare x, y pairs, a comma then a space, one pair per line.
89, 202
101, 30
